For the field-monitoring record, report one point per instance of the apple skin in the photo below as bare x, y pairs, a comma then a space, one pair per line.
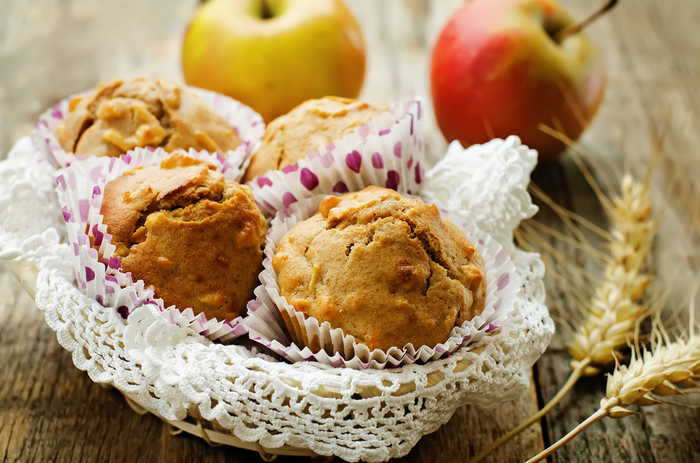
496, 71
307, 49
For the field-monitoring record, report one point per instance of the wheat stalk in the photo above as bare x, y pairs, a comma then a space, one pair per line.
613, 312
667, 370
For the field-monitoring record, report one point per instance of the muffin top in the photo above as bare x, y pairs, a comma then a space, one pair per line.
185, 230
312, 124
121, 115
384, 268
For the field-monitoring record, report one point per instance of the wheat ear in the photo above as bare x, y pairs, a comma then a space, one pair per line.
613, 312
666, 371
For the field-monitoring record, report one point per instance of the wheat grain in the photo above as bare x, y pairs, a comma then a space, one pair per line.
667, 370
614, 309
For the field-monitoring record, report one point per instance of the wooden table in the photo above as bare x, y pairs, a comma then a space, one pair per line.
51, 411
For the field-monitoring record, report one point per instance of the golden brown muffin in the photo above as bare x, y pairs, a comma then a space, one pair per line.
384, 268
303, 129
192, 235
121, 115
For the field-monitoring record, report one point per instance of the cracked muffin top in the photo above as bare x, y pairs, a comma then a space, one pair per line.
121, 115
303, 129
189, 233
384, 268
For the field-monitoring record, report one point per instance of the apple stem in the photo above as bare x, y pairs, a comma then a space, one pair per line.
571, 30
265, 11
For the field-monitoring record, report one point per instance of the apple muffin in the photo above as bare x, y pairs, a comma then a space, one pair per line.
189, 233
121, 115
384, 268
313, 123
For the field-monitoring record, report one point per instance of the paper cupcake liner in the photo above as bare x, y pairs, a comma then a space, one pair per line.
273, 322
98, 273
387, 151
247, 123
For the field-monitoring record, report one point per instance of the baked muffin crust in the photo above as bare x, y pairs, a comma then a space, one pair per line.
192, 235
121, 115
384, 268
311, 124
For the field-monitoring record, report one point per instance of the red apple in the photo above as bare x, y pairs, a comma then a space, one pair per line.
497, 71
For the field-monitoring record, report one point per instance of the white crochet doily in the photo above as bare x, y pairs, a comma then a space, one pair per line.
371, 415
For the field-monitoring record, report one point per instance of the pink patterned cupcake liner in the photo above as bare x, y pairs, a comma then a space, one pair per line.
247, 123
387, 151
265, 314
98, 273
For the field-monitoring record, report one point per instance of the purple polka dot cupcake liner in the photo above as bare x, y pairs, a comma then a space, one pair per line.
98, 272
387, 151
247, 123
265, 320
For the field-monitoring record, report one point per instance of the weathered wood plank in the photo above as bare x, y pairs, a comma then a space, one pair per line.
471, 429
50, 411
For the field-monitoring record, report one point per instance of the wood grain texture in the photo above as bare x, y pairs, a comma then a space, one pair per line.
50, 411
652, 58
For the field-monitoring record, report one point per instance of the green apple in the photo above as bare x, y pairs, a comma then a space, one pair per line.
274, 54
